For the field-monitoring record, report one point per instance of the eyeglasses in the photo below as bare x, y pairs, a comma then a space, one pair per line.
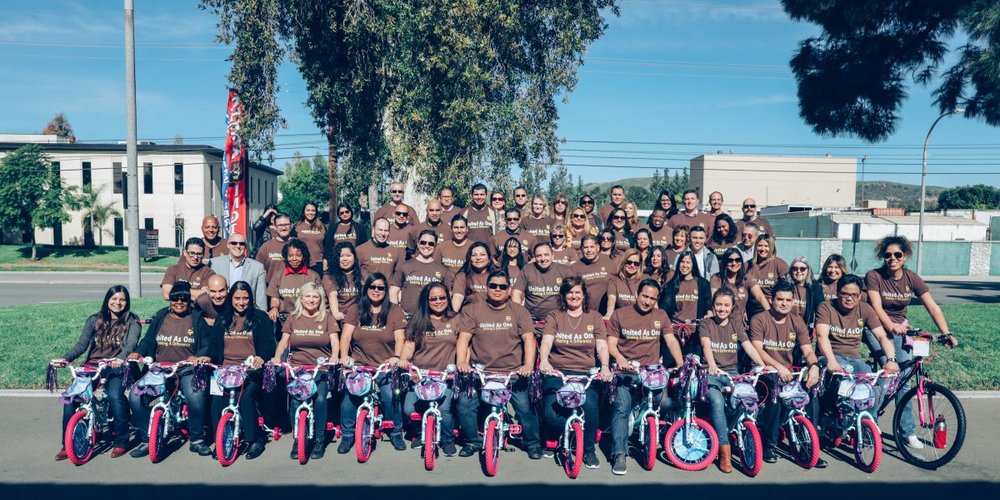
426, 243
520, 195
237, 243
579, 216
196, 254
498, 286
558, 235
799, 269
897, 255
282, 225
342, 212
438, 298
180, 299
396, 191
749, 206
402, 214
377, 288
587, 202
497, 198
618, 217
734, 260
848, 295
562, 202
512, 219
632, 263
607, 238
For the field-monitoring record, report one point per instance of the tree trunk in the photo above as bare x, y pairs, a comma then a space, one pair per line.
332, 174
34, 248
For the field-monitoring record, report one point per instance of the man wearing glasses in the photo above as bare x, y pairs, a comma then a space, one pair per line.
238, 267
748, 238
191, 269
481, 218
434, 221
399, 229
750, 215
448, 208
269, 253
413, 275
500, 334
388, 210
521, 199
512, 217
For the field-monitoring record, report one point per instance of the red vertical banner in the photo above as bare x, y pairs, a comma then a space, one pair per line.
234, 171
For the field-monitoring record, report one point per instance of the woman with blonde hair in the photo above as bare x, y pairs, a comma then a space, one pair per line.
562, 250
766, 269
578, 227
624, 285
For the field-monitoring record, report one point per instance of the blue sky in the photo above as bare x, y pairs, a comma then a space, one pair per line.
687, 77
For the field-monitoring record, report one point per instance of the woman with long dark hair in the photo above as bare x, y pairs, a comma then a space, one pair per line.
687, 297
724, 235
642, 241
342, 280
665, 200
618, 225
372, 336
834, 267
655, 266
112, 332
345, 230
681, 242
732, 275
312, 231
470, 282
430, 343
512, 259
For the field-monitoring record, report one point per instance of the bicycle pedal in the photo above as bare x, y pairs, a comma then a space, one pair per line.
515, 429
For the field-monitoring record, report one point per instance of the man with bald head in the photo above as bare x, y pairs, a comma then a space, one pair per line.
434, 221
213, 301
377, 255
215, 245
750, 215
238, 267
388, 210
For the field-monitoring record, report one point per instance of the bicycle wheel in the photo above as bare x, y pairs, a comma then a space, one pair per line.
78, 439
652, 432
940, 406
751, 449
803, 442
868, 446
156, 437
227, 439
430, 424
491, 447
302, 436
573, 458
693, 447
365, 441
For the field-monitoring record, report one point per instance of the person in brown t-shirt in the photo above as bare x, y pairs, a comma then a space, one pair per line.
692, 215
750, 215
215, 245
342, 281
413, 275
536, 222
377, 255
396, 201
269, 253
192, 269
595, 270
616, 200
284, 291
623, 286
574, 341
431, 340
562, 250
499, 335
399, 229
512, 217
839, 327
481, 218
434, 222
724, 235
344, 230
732, 275
538, 288
619, 226
312, 231
470, 281
452, 252
373, 335
766, 269
661, 234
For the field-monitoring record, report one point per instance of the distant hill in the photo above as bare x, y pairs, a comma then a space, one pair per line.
896, 193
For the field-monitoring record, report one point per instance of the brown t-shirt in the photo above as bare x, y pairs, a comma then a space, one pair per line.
207, 308
670, 257
574, 346
830, 291
442, 230
725, 340
237, 342
412, 276
452, 255
175, 339
605, 211
564, 256
309, 338
765, 226
514, 274
800, 295
472, 287
286, 287
766, 275
783, 341
196, 276
480, 223
626, 291
742, 295
700, 219
372, 345
662, 238
596, 275
375, 259
541, 289
719, 248
895, 294
437, 350
686, 301
344, 233
269, 254
388, 212
399, 237
639, 334
313, 238
539, 228
496, 334
220, 247
623, 240
526, 239
347, 297
846, 328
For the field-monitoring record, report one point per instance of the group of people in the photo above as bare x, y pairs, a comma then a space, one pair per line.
525, 287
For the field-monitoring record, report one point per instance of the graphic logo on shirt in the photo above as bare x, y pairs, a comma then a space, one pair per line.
657, 324
734, 336
507, 318
437, 274
559, 281
791, 335
590, 328
770, 276
861, 322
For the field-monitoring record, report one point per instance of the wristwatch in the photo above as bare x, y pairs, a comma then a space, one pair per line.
890, 360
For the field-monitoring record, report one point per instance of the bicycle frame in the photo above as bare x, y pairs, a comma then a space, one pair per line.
847, 412
745, 412
174, 417
432, 404
304, 404
576, 414
96, 404
914, 368
689, 392
497, 413
793, 412
371, 400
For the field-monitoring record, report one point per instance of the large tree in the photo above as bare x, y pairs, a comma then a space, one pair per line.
304, 181
60, 126
95, 213
979, 196
451, 90
32, 194
853, 78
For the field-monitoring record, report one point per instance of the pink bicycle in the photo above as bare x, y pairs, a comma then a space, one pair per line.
168, 410
572, 395
360, 381
302, 389
92, 416
430, 387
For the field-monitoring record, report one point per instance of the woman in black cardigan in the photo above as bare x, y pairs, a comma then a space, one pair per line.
687, 288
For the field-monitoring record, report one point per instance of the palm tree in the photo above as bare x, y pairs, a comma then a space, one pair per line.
95, 213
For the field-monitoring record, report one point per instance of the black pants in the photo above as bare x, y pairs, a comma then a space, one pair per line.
115, 392
775, 413
197, 403
245, 397
555, 414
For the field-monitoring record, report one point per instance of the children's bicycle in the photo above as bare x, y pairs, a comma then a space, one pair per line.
572, 395
645, 414
168, 411
745, 401
369, 426
850, 418
302, 389
803, 440
227, 433
430, 387
495, 391
691, 443
92, 416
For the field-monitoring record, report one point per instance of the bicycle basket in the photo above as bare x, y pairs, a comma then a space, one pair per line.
743, 394
153, 384
653, 377
80, 390
430, 388
358, 383
230, 377
863, 395
302, 388
495, 392
572, 395
794, 395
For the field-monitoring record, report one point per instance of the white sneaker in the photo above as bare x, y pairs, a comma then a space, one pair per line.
914, 442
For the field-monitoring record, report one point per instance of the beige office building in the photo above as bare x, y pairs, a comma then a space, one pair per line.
819, 181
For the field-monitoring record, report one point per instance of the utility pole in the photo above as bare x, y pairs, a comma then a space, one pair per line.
132, 211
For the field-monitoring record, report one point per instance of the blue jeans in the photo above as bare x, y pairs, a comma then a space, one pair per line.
556, 414
390, 409
629, 392
468, 415
115, 392
319, 405
196, 403
719, 408
412, 402
906, 420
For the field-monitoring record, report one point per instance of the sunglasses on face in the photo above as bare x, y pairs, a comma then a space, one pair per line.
402, 214
587, 202
897, 255
632, 263
749, 206
237, 243
798, 269
520, 195
579, 216
735, 260
618, 217
498, 286
512, 219
607, 238
396, 191
180, 299
497, 198
427, 243
377, 288
558, 236
438, 298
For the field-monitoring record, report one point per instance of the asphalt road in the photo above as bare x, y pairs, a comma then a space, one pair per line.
29, 437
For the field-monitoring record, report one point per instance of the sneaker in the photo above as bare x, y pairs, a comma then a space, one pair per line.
345, 446
416, 444
117, 451
548, 452
448, 449
618, 466
535, 452
62, 455
468, 451
397, 442
821, 464
770, 456
319, 449
590, 460
294, 455
256, 449
914, 442
200, 448
140, 451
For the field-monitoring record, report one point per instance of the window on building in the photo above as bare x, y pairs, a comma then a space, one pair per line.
147, 178
178, 178
148, 223
56, 168
179, 232
118, 179
119, 232
86, 173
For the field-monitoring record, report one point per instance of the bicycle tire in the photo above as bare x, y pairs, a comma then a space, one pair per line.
301, 436
491, 448
868, 433
652, 444
364, 436
429, 447
79, 446
911, 456
751, 449
156, 438
573, 460
697, 456
227, 439
806, 453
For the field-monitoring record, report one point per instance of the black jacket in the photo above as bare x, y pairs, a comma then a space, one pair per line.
202, 332
668, 299
264, 343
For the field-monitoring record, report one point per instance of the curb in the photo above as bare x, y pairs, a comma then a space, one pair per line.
41, 393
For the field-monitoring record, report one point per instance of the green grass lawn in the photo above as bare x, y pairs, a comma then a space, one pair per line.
52, 258
32, 335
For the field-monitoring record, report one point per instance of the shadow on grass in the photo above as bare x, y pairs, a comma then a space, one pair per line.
62, 252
